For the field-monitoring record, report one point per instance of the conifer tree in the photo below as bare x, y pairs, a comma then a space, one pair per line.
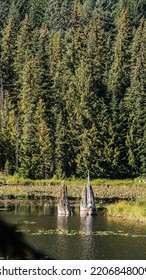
82, 107
136, 9
119, 77
64, 153
7, 59
8, 134
43, 156
23, 44
37, 9
42, 68
119, 80
27, 107
107, 160
72, 87
96, 53
75, 39
53, 15
4, 7
136, 100
57, 75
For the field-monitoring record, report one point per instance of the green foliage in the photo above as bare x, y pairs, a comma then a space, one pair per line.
37, 9
119, 77
135, 98
7, 59
136, 8
27, 109
72, 88
43, 155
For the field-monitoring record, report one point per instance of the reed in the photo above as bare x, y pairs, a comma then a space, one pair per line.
135, 211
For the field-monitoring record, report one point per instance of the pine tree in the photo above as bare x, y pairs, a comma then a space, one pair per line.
136, 100
87, 10
119, 81
7, 59
82, 108
4, 7
96, 53
42, 72
37, 9
75, 39
27, 106
136, 9
119, 77
58, 14
24, 48
72, 88
42, 157
64, 153
58, 76
107, 160
8, 134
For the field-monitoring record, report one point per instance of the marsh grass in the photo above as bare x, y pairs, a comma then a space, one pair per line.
72, 181
135, 211
12, 187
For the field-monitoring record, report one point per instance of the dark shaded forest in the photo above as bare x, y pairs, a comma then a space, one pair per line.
73, 88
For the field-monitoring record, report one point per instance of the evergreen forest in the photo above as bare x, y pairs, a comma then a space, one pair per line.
73, 88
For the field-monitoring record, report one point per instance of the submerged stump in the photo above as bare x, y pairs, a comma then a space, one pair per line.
87, 205
64, 208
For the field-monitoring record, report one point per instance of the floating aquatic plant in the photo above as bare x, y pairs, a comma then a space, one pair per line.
80, 233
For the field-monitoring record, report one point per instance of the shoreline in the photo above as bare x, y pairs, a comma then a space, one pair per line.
121, 201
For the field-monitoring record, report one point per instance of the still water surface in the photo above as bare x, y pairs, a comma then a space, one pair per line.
78, 237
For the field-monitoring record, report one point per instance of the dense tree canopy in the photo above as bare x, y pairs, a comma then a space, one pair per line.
73, 88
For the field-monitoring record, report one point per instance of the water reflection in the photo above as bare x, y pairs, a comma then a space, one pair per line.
86, 224
62, 222
62, 239
86, 237
77, 237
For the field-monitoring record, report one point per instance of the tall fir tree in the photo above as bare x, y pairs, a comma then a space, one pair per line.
136, 100
75, 39
23, 48
119, 76
8, 134
96, 54
37, 9
8, 49
42, 157
27, 107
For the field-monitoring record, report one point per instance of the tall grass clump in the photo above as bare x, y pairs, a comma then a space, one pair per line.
135, 211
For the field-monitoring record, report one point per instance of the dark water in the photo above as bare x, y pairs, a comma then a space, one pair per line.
78, 237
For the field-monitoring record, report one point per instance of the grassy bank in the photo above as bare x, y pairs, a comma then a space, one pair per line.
133, 211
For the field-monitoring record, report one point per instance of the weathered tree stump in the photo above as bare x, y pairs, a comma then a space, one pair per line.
64, 208
87, 204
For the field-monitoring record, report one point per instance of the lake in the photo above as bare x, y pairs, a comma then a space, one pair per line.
75, 237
